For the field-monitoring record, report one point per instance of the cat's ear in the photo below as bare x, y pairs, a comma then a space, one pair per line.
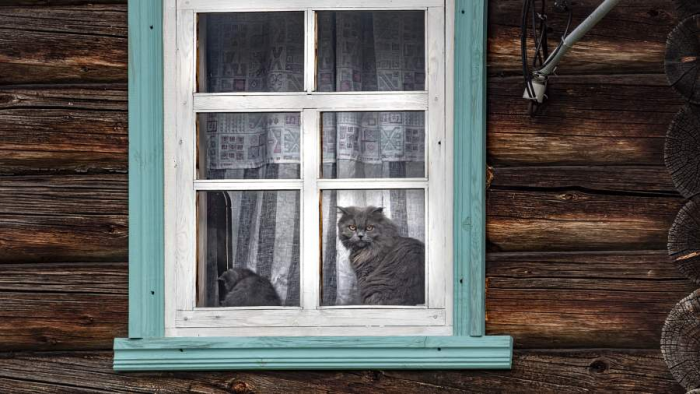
378, 210
344, 210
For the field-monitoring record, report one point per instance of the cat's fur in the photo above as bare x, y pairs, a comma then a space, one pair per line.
243, 287
390, 268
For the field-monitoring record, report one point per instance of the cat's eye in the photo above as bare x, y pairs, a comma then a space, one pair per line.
352, 227
369, 228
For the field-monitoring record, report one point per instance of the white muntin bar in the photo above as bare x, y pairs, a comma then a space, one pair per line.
296, 102
310, 51
372, 184
310, 213
301, 5
233, 184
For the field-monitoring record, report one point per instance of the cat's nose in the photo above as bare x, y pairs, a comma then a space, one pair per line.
360, 235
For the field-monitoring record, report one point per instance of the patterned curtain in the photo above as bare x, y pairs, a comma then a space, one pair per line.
357, 51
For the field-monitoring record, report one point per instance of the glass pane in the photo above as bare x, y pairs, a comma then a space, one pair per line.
373, 247
249, 145
370, 51
248, 248
373, 144
251, 52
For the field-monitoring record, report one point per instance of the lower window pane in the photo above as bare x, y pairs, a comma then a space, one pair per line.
248, 248
373, 247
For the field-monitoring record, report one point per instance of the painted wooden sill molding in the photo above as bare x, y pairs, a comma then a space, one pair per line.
147, 348
313, 353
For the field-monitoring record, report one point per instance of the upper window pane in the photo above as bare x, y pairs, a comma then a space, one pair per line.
251, 52
373, 144
249, 145
371, 51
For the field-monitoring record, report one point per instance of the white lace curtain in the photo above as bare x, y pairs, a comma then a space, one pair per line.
357, 51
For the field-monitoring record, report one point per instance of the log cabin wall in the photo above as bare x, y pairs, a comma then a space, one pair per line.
578, 212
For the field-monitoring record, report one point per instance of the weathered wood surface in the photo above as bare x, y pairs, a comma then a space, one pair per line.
591, 120
587, 174
70, 278
631, 39
545, 300
679, 341
84, 217
63, 218
62, 306
565, 300
681, 59
686, 8
63, 44
682, 151
684, 240
63, 128
612, 179
569, 220
533, 372
37, 3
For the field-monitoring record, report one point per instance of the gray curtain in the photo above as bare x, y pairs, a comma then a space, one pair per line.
357, 51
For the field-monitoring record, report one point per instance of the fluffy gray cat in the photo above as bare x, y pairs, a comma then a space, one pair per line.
390, 268
243, 287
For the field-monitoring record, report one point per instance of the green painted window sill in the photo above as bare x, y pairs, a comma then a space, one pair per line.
317, 353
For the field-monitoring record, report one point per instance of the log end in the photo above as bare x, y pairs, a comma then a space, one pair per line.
682, 64
679, 345
682, 151
684, 240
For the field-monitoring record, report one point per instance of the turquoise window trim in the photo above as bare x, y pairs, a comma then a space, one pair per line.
148, 349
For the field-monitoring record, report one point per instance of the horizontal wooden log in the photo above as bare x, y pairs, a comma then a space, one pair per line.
80, 19
548, 300
66, 128
63, 44
544, 300
577, 221
62, 306
615, 179
87, 278
63, 218
631, 39
596, 120
41, 3
99, 97
533, 372
61, 320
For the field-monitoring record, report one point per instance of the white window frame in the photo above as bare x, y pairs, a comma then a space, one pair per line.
182, 317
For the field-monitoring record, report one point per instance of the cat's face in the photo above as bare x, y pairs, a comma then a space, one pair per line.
361, 227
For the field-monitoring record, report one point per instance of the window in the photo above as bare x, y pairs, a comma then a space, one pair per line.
300, 143
287, 117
